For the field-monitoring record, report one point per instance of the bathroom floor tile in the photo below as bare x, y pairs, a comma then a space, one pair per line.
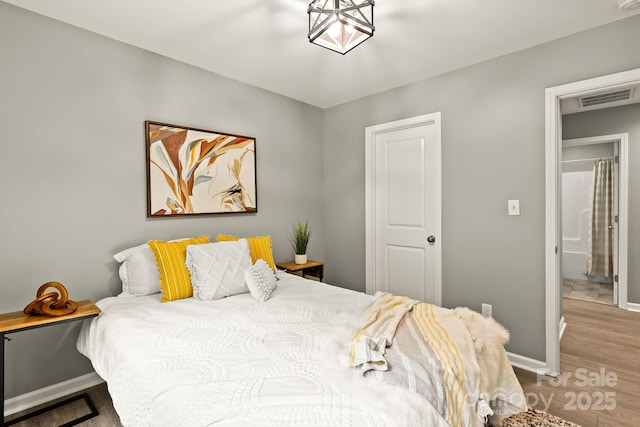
588, 291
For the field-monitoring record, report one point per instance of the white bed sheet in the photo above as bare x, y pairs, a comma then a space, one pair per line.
239, 362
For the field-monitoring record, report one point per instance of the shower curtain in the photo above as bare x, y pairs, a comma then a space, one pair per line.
599, 260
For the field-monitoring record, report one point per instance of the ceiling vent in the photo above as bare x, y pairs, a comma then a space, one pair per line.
613, 98
605, 98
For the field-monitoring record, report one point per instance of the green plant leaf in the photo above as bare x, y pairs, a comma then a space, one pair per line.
300, 235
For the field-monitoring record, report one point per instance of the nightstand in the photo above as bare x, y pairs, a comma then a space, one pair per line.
311, 268
17, 321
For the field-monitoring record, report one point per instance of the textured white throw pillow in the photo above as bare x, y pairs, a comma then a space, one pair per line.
217, 269
261, 280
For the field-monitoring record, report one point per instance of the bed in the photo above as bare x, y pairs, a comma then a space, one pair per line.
310, 354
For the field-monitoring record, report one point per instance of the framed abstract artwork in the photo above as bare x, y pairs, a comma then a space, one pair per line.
198, 172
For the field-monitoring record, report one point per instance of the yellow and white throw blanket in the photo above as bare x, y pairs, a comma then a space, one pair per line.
425, 348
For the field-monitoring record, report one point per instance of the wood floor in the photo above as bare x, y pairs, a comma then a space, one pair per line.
600, 363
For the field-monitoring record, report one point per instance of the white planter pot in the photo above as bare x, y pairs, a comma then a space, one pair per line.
300, 259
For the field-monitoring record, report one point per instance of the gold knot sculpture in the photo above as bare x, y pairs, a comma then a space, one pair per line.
52, 303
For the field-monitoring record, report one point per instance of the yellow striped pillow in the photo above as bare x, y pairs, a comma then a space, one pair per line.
175, 279
259, 248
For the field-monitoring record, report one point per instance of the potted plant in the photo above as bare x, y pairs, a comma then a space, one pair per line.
299, 240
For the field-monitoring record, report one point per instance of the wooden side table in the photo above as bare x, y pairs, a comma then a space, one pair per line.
17, 321
311, 268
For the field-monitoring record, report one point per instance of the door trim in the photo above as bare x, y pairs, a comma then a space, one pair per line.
370, 196
553, 237
623, 204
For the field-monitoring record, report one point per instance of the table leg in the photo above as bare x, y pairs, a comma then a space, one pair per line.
2, 338
94, 411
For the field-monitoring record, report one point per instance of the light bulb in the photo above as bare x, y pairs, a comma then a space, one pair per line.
335, 29
628, 4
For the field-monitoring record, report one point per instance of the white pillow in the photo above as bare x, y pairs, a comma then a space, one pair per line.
138, 271
261, 280
217, 269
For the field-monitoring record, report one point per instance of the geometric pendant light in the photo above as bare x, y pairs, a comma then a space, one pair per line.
340, 25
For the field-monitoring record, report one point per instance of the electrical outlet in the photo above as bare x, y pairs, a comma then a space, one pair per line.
487, 310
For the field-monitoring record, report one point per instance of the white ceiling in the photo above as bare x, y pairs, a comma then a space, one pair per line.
264, 43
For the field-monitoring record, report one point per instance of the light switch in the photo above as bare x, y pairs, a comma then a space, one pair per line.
514, 207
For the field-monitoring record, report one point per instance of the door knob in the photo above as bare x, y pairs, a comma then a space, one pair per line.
431, 239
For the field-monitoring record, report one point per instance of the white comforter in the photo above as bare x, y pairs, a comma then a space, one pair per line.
239, 362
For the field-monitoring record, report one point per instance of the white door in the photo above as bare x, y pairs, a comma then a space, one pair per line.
614, 225
403, 208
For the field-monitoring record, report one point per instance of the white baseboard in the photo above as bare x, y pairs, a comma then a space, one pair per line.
52, 392
534, 365
527, 363
632, 306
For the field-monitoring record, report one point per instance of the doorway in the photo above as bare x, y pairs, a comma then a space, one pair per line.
554, 323
591, 255
403, 208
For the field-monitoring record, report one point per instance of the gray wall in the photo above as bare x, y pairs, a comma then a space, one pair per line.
625, 119
493, 149
72, 107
